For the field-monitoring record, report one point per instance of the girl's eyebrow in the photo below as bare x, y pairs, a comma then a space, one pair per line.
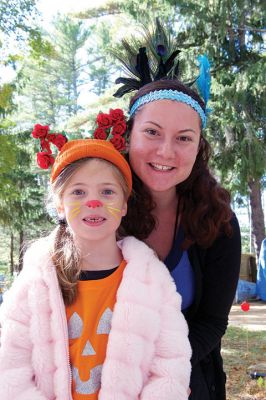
78, 184
101, 183
108, 184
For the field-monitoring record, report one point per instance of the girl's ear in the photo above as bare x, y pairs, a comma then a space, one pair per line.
60, 210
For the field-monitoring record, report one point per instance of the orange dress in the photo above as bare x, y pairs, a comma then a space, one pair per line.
89, 323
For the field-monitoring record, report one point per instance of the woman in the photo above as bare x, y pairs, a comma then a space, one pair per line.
187, 218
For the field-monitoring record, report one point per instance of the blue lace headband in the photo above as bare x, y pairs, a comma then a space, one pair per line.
169, 94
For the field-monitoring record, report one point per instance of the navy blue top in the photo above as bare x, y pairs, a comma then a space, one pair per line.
181, 270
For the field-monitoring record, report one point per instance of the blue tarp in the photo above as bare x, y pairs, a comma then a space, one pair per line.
261, 273
245, 291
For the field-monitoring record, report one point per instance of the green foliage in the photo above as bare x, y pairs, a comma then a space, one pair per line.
4, 250
14, 16
146, 10
7, 160
6, 99
238, 125
101, 64
22, 192
262, 382
21, 196
230, 33
40, 47
138, 11
17, 24
53, 74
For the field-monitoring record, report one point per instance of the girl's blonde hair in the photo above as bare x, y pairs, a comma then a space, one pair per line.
65, 254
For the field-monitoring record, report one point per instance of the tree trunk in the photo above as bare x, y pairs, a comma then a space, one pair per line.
257, 216
11, 254
21, 250
75, 87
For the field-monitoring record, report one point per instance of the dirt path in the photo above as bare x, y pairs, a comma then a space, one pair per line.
253, 320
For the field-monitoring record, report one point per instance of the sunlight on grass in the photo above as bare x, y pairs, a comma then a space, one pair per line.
229, 351
240, 349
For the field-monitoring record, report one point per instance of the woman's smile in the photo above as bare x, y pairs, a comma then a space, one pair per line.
161, 168
163, 150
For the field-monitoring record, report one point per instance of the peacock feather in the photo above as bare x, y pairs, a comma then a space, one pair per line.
154, 60
204, 79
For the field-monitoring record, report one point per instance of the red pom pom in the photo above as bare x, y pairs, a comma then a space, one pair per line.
40, 131
119, 128
104, 120
117, 114
118, 142
45, 145
245, 306
44, 159
100, 133
59, 141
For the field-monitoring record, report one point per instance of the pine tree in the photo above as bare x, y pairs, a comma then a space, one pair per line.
22, 210
231, 34
51, 81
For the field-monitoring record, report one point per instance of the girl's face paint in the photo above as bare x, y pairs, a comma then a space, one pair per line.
93, 202
75, 210
116, 212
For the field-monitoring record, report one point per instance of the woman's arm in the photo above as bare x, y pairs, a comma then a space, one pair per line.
220, 273
170, 369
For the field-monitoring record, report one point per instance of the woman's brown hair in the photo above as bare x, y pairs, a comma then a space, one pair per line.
204, 206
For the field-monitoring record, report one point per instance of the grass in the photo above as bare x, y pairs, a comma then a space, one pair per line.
240, 349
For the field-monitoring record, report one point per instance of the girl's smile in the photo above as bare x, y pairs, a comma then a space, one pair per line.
94, 220
93, 203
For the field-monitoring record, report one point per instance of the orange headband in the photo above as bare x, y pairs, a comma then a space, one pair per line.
81, 148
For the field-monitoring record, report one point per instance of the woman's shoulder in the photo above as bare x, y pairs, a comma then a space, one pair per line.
228, 242
223, 240
224, 251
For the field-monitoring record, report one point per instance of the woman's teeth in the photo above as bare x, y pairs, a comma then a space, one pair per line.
159, 167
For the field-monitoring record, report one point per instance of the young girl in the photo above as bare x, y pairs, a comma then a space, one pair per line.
89, 317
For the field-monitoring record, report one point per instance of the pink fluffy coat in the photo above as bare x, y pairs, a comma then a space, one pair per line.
148, 352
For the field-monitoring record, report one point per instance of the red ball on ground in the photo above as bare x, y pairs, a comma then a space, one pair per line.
245, 306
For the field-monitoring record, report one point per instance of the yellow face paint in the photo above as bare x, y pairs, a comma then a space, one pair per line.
73, 214
73, 203
116, 212
75, 210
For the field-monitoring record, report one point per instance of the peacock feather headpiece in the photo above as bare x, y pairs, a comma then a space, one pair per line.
158, 60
